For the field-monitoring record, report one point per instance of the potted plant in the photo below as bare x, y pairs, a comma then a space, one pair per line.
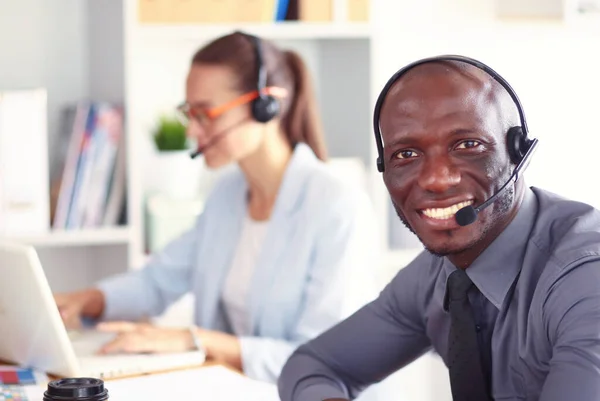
175, 174
170, 135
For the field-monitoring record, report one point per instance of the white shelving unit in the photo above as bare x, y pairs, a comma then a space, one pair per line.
282, 30
157, 59
77, 238
144, 67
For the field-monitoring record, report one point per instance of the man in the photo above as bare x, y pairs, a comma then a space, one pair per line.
510, 297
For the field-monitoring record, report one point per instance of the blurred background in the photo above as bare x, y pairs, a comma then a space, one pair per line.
96, 197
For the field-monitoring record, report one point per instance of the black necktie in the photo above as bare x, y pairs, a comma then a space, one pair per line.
464, 360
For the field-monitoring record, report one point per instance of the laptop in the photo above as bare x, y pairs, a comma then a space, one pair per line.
32, 333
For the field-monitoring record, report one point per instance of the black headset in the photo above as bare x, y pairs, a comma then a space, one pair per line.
265, 107
517, 140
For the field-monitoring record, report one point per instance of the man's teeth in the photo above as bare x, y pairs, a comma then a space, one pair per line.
447, 212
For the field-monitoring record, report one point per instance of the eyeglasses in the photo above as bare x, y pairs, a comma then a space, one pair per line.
205, 116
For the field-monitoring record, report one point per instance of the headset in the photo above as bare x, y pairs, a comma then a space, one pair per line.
520, 147
265, 107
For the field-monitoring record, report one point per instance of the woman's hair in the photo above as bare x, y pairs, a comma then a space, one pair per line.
285, 69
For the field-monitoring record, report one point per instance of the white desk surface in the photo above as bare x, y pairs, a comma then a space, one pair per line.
213, 382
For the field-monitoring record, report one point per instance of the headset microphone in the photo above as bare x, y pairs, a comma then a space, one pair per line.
195, 154
216, 138
468, 214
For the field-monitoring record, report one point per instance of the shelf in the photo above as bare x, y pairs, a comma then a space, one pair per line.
101, 236
281, 30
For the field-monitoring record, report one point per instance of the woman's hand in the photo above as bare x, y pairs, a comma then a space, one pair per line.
74, 305
135, 338
146, 338
221, 347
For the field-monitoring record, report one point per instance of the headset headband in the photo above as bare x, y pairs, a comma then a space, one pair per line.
261, 80
497, 77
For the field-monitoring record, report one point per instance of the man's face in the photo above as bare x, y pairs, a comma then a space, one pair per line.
444, 137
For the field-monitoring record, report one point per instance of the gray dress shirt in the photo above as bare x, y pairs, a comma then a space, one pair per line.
538, 304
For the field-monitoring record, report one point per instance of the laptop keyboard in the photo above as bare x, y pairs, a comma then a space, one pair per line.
86, 344
114, 366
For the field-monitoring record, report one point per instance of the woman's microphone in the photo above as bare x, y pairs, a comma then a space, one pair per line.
215, 139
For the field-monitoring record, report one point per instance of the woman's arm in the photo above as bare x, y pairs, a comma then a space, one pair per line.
147, 292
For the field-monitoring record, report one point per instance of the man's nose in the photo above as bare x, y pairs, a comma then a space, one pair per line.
438, 174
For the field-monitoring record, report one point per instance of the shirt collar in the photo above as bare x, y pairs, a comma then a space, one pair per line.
495, 270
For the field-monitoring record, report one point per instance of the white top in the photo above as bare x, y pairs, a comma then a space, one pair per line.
237, 284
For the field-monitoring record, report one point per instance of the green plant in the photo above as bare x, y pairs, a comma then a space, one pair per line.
170, 135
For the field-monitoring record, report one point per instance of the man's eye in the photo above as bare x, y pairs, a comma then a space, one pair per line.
406, 154
468, 144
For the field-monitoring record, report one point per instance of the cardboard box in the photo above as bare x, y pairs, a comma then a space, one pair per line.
255, 10
155, 11
203, 11
358, 10
315, 10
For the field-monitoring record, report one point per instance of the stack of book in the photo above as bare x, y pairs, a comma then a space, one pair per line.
91, 186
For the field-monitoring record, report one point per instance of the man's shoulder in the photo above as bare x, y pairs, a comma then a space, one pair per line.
566, 230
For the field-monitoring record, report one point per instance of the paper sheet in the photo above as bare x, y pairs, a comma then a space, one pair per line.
214, 383
21, 384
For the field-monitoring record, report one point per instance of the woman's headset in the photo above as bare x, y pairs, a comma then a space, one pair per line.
517, 140
265, 107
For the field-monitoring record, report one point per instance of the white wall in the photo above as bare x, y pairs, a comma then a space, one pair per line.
43, 43
104, 50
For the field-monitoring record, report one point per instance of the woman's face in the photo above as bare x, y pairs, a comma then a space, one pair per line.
225, 136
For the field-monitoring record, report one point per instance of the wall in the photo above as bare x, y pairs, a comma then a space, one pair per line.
43, 44
105, 50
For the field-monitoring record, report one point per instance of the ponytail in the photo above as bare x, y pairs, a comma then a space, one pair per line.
302, 122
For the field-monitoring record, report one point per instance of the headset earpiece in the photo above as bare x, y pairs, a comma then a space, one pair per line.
265, 108
380, 166
517, 144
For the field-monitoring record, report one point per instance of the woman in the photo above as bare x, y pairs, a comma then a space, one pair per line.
283, 249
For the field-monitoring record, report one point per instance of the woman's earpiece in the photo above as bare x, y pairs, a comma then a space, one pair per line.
265, 108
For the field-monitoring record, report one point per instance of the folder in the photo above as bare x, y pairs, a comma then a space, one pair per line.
203, 11
255, 10
24, 175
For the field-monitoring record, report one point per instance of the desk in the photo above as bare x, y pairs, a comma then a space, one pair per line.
205, 364
211, 381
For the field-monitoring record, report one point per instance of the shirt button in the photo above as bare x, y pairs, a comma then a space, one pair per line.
477, 328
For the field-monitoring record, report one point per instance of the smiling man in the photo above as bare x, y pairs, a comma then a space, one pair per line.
507, 291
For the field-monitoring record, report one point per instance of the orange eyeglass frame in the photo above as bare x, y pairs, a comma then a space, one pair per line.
217, 111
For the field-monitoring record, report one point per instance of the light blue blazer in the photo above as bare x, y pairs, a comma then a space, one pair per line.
317, 265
